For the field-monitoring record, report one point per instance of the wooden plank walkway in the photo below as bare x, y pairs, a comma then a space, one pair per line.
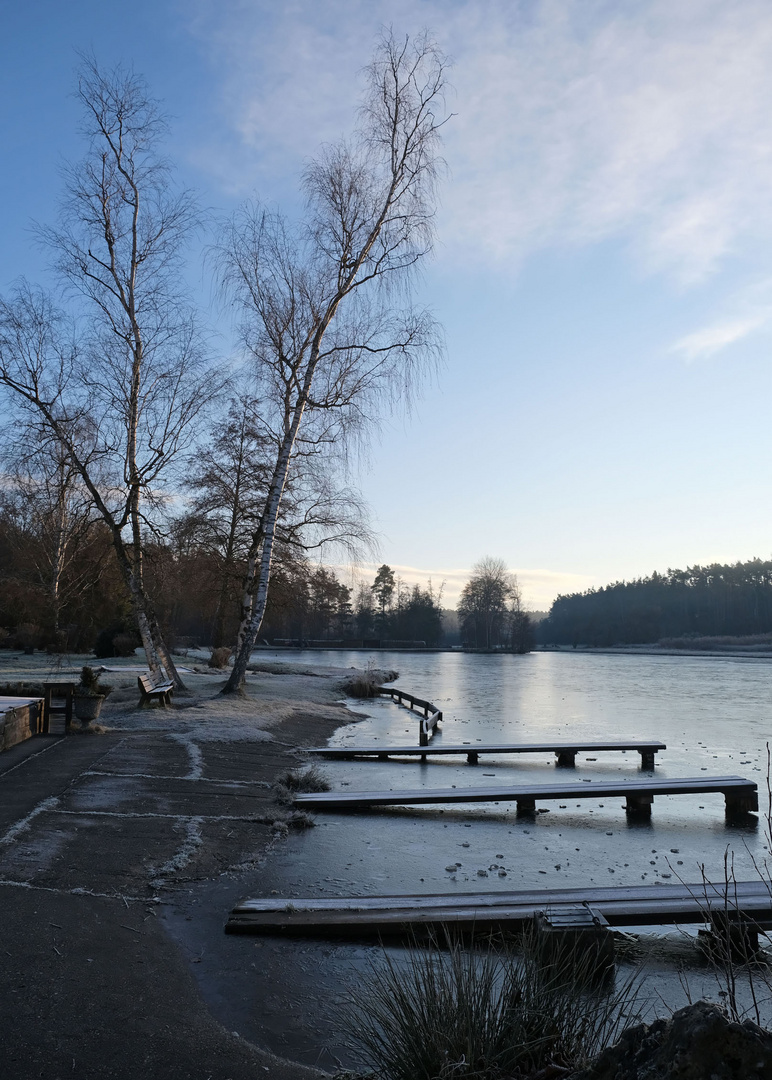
565, 752
652, 905
741, 795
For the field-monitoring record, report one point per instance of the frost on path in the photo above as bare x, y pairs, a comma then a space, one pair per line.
24, 823
194, 754
191, 843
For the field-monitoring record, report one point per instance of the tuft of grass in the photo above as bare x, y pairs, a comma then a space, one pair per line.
311, 778
483, 1014
362, 685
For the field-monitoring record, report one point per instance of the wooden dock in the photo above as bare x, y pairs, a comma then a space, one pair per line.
565, 752
646, 905
741, 795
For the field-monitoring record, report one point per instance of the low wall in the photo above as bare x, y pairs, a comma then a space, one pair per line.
20, 719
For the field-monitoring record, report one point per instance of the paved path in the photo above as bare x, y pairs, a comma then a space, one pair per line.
96, 834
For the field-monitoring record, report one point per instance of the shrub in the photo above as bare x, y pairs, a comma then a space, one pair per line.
22, 689
89, 684
124, 644
27, 636
220, 657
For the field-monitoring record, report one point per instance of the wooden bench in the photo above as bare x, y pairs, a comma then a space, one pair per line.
637, 905
741, 795
565, 753
154, 687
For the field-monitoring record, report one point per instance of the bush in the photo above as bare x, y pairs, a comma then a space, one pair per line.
220, 658
362, 685
27, 636
22, 689
124, 644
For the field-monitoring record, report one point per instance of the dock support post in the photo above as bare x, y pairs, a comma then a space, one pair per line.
741, 802
574, 939
639, 805
730, 938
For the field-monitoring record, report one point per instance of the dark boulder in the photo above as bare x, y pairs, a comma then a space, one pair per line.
697, 1043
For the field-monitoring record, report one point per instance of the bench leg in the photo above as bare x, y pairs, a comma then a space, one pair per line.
565, 759
647, 759
526, 806
639, 805
472, 757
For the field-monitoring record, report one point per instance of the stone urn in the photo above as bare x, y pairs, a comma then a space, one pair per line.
87, 707
88, 696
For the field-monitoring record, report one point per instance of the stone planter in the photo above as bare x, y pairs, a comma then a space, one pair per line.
87, 707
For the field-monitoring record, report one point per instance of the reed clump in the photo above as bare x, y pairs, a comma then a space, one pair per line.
311, 778
362, 685
481, 1013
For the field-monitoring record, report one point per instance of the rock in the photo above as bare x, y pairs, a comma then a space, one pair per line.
697, 1043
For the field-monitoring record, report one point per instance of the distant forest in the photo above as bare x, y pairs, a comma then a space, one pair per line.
701, 601
73, 598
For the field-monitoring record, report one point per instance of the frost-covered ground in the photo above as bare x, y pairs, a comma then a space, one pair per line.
274, 692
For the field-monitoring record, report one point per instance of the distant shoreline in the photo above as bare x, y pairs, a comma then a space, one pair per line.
747, 652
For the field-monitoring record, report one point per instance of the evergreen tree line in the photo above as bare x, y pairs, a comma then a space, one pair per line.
702, 601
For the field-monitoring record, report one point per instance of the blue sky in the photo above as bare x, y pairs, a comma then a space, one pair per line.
604, 267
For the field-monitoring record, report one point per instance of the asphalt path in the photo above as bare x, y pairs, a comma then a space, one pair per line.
98, 836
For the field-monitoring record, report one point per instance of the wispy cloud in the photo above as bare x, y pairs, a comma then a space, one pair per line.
577, 120
745, 313
712, 339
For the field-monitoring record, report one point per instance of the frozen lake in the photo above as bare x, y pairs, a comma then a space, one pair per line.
712, 712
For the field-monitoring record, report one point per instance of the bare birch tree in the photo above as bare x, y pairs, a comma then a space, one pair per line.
327, 318
123, 402
230, 474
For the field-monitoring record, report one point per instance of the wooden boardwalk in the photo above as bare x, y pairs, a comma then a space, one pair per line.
565, 752
652, 905
741, 795
432, 716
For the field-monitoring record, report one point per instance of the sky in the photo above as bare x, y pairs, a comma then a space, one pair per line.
603, 270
